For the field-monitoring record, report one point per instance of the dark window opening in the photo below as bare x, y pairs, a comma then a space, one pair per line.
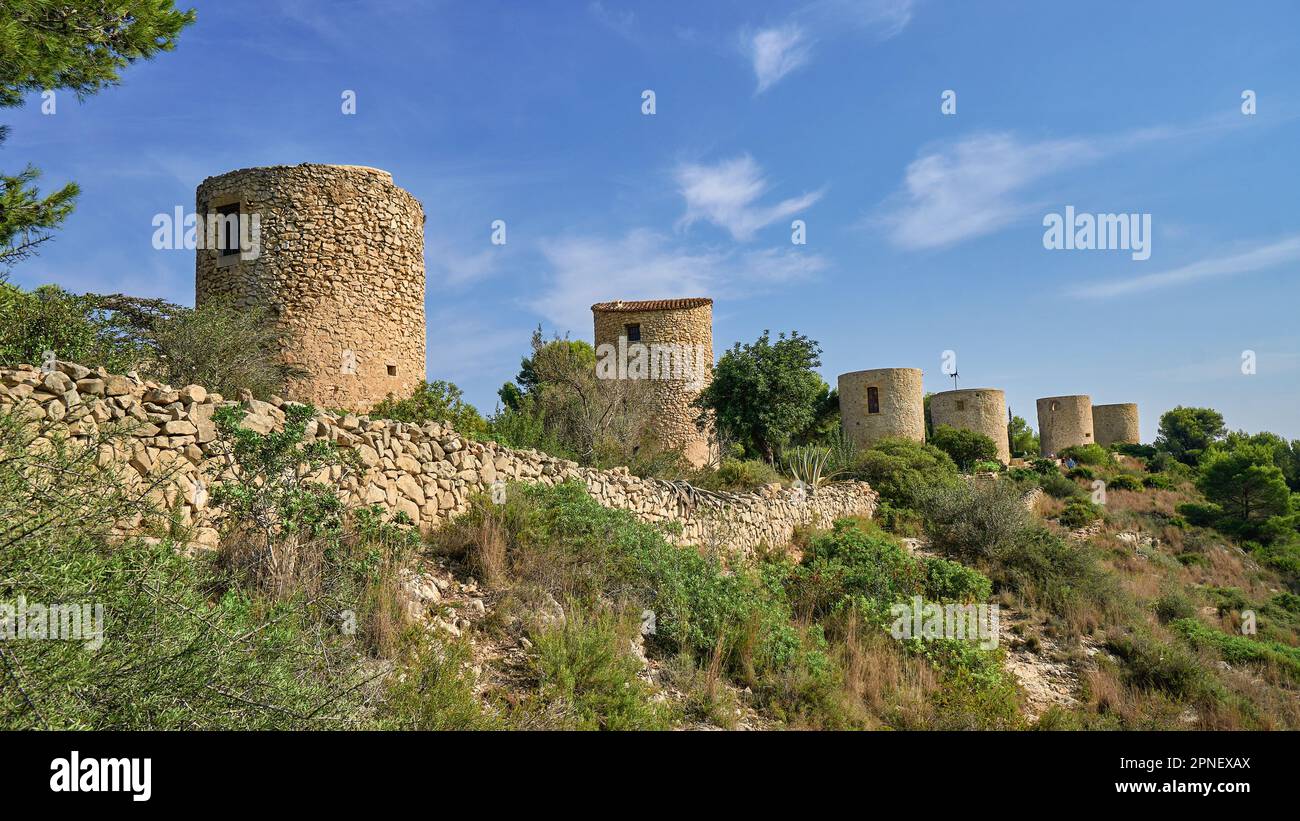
633, 332
392, 370
961, 405
228, 229
873, 400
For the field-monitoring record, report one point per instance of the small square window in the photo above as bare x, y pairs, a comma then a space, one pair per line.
633, 332
392, 370
873, 400
961, 405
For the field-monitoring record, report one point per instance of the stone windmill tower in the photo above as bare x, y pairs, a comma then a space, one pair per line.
337, 258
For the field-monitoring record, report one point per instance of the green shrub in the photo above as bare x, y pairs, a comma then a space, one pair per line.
974, 519
1130, 449
1052, 573
901, 470
948, 581
1058, 486
1092, 454
738, 475
584, 666
221, 347
49, 318
432, 689
1172, 605
183, 648
1081, 472
965, 447
1151, 664
1044, 467
987, 466
1124, 481
1079, 512
1241, 649
436, 401
850, 568
900, 521
1200, 514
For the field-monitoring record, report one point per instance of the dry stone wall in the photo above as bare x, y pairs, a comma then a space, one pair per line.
428, 471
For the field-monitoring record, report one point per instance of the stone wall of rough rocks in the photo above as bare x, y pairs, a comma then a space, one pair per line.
170, 442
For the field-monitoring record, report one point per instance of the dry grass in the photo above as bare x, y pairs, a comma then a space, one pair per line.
891, 688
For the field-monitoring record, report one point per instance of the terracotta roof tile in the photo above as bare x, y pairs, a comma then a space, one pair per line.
652, 304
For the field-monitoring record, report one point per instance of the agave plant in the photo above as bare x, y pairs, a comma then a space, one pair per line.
844, 451
809, 466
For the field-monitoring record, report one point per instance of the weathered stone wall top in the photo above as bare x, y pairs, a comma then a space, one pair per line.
339, 261
428, 471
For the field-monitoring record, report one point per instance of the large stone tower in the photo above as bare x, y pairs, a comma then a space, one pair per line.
337, 257
883, 402
983, 410
1063, 422
1116, 423
676, 337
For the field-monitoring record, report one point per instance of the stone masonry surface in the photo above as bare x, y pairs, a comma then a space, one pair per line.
674, 322
427, 471
340, 264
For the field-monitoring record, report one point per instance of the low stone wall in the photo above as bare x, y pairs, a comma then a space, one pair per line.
428, 471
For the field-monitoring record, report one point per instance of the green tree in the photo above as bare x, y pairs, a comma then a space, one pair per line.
763, 395
80, 46
901, 469
1286, 455
1024, 442
71, 326
1245, 483
27, 218
436, 401
966, 447
558, 404
1185, 433
221, 347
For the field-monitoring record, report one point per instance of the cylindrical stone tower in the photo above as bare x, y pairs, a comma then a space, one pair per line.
1063, 422
668, 342
335, 253
983, 410
880, 403
1116, 423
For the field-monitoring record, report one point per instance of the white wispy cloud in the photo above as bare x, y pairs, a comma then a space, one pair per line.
727, 194
776, 50
1267, 256
645, 264
449, 266
620, 21
974, 186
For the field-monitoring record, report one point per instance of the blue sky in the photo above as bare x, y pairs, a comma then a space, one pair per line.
924, 230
